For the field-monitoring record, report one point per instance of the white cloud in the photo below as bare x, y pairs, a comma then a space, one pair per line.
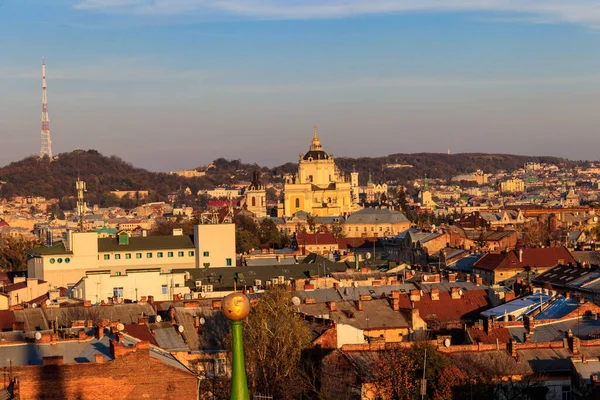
585, 12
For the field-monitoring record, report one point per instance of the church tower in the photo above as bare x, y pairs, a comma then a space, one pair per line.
256, 197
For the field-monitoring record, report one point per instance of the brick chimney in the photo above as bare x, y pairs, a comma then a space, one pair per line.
359, 305
478, 280
512, 347
196, 321
451, 277
520, 255
216, 305
310, 300
395, 304
435, 294
87, 303
395, 294
100, 330
99, 358
415, 295
526, 337
331, 306
82, 335
151, 300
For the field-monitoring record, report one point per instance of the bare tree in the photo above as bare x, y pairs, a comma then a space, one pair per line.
275, 338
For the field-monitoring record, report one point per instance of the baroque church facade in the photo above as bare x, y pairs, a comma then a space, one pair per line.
318, 188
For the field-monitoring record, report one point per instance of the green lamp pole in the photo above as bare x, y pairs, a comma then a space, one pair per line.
239, 386
236, 308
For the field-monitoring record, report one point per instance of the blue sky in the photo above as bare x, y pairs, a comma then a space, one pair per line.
171, 84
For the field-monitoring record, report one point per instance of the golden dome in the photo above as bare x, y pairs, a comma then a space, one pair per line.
236, 306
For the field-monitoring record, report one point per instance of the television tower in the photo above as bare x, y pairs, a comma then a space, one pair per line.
46, 148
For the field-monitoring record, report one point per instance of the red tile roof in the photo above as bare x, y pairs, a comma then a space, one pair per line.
446, 309
140, 331
545, 257
479, 336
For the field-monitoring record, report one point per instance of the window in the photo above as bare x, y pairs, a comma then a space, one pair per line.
177, 285
180, 254
297, 203
107, 256
253, 201
67, 260
127, 256
164, 289
206, 254
170, 254
191, 253
148, 255
159, 254
228, 262
118, 292
117, 256
138, 255
59, 260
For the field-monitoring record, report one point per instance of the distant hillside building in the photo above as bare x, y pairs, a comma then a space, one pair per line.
512, 186
318, 188
478, 176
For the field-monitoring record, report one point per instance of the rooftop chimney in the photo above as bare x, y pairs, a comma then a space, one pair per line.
452, 277
359, 305
415, 295
331, 306
395, 304
435, 294
520, 255
99, 358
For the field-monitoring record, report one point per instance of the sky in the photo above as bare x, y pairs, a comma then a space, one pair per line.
175, 84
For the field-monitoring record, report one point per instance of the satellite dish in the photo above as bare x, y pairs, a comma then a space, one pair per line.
447, 342
296, 301
368, 255
180, 328
120, 326
34, 305
48, 302
158, 318
38, 336
202, 321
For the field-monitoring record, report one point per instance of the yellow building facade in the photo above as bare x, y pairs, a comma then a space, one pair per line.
318, 187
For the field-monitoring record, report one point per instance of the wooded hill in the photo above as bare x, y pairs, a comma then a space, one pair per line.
33, 176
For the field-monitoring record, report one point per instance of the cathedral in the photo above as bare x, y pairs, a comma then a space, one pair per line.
318, 187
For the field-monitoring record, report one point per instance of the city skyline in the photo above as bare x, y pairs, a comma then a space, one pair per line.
174, 85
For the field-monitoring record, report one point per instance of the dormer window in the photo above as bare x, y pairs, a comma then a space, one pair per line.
123, 238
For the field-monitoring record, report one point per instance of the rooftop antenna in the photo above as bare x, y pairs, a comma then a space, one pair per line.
46, 146
81, 189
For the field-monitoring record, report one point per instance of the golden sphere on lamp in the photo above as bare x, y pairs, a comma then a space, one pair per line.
236, 306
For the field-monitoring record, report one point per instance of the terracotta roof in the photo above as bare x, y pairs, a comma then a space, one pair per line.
312, 239
140, 331
447, 309
545, 257
479, 336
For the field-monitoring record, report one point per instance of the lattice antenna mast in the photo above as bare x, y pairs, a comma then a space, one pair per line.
46, 148
81, 189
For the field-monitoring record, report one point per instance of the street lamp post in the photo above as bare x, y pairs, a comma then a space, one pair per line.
236, 308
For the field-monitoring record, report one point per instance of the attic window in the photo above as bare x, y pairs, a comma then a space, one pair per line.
123, 238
